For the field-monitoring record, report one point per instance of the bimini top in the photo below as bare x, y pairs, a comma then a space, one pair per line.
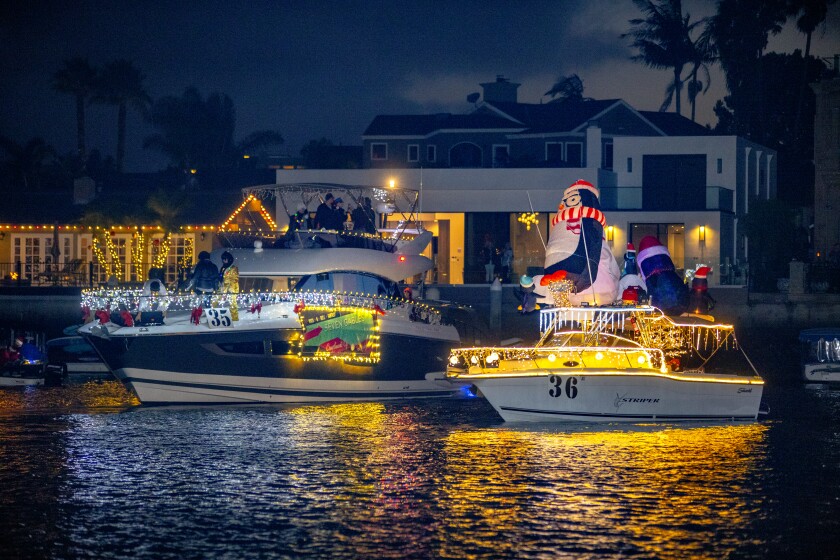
384, 199
813, 335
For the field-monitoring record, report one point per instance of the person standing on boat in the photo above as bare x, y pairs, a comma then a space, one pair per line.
297, 221
205, 276
364, 218
230, 283
339, 215
325, 212
28, 351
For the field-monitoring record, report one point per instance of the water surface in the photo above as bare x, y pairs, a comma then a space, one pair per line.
86, 473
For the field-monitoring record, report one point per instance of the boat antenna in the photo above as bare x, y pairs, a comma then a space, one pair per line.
531, 205
588, 264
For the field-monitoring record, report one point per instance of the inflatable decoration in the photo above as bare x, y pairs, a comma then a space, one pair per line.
700, 301
630, 277
666, 289
577, 248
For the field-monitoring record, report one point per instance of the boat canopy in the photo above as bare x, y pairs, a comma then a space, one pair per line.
813, 335
384, 200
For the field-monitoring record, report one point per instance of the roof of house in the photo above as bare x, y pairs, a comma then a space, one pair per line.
673, 124
526, 118
421, 125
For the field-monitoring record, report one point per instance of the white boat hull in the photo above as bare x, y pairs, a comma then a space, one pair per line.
168, 387
828, 372
615, 396
13, 381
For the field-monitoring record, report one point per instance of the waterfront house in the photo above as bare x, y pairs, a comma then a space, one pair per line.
492, 171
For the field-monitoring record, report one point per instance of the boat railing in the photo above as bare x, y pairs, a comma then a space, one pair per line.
135, 301
646, 324
588, 356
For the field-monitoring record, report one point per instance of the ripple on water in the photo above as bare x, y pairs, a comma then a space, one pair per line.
438, 478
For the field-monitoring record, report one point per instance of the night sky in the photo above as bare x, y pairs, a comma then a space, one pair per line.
312, 69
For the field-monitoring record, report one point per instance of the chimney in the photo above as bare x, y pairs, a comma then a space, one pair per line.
500, 91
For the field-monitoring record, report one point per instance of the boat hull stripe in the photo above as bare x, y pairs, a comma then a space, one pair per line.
294, 392
629, 416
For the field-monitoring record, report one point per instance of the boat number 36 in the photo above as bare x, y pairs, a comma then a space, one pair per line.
218, 317
558, 387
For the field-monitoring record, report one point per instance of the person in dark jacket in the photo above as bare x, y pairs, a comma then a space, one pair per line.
364, 219
325, 213
205, 276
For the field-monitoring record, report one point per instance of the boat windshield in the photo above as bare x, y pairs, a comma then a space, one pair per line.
352, 282
578, 338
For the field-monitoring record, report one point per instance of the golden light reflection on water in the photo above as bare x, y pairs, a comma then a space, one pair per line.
641, 490
92, 396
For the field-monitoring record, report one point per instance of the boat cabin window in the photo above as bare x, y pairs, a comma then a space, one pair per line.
252, 347
259, 285
347, 282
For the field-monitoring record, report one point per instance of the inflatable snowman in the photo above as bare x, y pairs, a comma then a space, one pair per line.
577, 250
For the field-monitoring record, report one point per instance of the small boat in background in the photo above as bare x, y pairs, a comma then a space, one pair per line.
21, 375
820, 354
75, 358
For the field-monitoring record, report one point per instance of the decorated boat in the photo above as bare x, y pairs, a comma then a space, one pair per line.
320, 315
615, 364
820, 354
609, 357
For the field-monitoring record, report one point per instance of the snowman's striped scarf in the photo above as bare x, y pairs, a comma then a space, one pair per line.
576, 213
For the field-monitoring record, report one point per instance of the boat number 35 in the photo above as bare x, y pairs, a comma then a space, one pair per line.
558, 387
218, 317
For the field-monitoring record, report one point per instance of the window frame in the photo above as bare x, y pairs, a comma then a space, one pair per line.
373, 146
416, 157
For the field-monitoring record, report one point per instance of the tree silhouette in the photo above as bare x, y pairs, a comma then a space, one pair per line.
663, 40
194, 132
25, 162
79, 79
703, 53
567, 88
121, 84
740, 31
259, 141
811, 14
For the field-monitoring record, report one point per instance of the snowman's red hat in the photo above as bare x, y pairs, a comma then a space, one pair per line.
630, 248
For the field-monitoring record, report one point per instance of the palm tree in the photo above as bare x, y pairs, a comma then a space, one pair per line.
567, 88
77, 78
121, 84
663, 40
194, 132
703, 53
811, 14
740, 30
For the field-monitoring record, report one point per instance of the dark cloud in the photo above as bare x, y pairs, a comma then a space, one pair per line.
314, 68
